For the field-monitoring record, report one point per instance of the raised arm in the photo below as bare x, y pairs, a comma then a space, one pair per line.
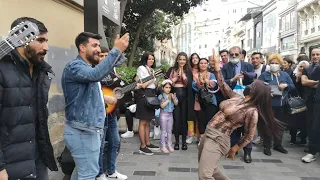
224, 88
85, 74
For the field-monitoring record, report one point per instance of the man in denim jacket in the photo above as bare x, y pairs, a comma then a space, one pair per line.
85, 106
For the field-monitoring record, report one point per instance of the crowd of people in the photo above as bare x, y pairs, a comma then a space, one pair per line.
225, 104
195, 83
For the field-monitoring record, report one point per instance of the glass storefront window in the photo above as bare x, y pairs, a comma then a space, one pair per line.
287, 43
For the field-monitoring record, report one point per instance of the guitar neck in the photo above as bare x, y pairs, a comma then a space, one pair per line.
133, 85
5, 48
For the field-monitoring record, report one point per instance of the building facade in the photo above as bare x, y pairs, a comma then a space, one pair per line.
309, 29
288, 32
198, 32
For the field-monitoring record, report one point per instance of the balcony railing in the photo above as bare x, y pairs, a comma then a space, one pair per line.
313, 30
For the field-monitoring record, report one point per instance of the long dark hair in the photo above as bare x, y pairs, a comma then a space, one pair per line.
186, 66
260, 94
144, 59
190, 60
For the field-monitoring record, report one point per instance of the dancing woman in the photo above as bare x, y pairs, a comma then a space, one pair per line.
235, 112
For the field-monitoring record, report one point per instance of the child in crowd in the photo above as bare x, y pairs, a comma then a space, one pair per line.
167, 103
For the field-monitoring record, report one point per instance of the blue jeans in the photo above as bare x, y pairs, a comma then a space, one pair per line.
235, 137
113, 139
103, 140
85, 149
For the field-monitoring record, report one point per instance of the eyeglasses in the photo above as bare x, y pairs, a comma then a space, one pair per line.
235, 54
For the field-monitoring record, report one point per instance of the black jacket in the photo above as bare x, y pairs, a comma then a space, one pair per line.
21, 124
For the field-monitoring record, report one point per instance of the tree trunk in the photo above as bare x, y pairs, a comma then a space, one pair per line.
136, 39
123, 4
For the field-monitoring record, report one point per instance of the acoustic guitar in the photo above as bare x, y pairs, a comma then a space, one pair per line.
119, 92
20, 35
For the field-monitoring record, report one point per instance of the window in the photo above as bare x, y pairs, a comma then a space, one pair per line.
287, 24
283, 23
307, 23
205, 46
293, 20
199, 46
287, 43
206, 33
314, 21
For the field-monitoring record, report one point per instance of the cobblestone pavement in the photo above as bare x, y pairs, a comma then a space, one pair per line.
182, 165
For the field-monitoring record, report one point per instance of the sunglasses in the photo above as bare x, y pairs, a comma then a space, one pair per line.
235, 54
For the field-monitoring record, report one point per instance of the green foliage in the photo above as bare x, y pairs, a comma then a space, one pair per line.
128, 73
156, 18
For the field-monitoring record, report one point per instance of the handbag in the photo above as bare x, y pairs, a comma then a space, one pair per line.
275, 90
204, 95
152, 101
295, 105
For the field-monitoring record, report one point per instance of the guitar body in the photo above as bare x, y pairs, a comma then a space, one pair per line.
109, 92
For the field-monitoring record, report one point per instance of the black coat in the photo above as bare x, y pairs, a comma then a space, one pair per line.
20, 123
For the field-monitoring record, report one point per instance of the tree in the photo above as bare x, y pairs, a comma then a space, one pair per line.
138, 13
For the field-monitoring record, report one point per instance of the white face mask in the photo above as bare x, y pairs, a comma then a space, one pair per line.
234, 60
274, 67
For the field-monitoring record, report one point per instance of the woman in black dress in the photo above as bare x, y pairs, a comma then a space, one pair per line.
144, 112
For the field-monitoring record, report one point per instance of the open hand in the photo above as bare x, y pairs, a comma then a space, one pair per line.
122, 43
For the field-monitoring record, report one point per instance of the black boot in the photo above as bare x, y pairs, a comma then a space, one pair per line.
176, 146
267, 151
247, 157
184, 146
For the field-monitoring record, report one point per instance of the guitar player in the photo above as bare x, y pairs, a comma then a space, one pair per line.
111, 132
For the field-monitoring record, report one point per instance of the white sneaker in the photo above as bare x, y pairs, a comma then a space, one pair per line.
118, 176
257, 140
151, 134
190, 140
309, 158
128, 134
102, 177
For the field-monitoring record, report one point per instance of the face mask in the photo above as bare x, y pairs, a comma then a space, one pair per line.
234, 60
274, 67
247, 89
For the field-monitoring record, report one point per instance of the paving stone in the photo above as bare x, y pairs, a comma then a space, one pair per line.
233, 167
144, 173
271, 160
183, 165
176, 169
